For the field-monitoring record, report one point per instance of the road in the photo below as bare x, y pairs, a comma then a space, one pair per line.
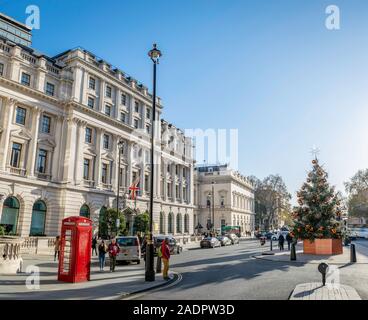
231, 273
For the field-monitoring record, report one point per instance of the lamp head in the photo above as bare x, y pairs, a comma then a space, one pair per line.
155, 54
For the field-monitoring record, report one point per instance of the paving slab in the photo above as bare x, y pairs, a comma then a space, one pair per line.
127, 279
316, 291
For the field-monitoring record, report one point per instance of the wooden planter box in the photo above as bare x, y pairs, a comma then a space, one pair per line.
323, 246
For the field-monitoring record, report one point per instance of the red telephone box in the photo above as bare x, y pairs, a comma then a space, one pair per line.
75, 250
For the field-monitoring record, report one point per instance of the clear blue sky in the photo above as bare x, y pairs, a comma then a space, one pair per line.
269, 68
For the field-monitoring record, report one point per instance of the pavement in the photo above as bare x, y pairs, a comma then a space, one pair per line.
125, 281
316, 291
361, 249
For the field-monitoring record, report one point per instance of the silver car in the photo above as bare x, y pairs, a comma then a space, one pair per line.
210, 242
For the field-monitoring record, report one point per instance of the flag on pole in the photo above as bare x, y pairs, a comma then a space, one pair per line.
133, 189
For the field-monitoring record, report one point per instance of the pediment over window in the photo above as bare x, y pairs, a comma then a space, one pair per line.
47, 143
107, 156
21, 134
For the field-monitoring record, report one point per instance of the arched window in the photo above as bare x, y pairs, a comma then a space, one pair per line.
84, 211
179, 223
162, 222
186, 223
170, 223
38, 219
9, 217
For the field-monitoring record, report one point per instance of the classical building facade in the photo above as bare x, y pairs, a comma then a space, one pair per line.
224, 197
61, 120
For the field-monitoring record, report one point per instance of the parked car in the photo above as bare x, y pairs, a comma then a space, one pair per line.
210, 242
269, 235
130, 249
234, 239
175, 247
276, 236
225, 241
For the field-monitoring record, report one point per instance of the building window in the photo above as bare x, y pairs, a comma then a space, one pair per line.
123, 99
169, 191
170, 222
1, 69
88, 135
91, 102
38, 219
177, 191
168, 168
178, 223
148, 128
46, 124
26, 79
176, 170
86, 166
148, 113
136, 106
108, 110
104, 173
122, 117
108, 91
92, 83
50, 89
41, 161
136, 123
222, 201
21, 116
15, 155
186, 223
106, 140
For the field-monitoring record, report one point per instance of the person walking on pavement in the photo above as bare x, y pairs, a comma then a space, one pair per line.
289, 240
57, 247
113, 250
165, 252
102, 250
281, 242
94, 245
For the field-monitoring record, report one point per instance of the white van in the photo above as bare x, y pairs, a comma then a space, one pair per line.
130, 249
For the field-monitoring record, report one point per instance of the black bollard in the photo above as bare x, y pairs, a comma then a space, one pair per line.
293, 252
323, 268
352, 253
158, 265
271, 244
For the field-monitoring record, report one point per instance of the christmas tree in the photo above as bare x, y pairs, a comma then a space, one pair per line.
318, 214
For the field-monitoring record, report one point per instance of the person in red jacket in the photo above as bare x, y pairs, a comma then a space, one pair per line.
165, 251
113, 250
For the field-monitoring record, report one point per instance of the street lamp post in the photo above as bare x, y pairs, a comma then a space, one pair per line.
155, 55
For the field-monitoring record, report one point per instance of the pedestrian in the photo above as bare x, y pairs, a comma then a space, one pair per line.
94, 245
57, 244
281, 242
165, 252
102, 250
289, 240
113, 250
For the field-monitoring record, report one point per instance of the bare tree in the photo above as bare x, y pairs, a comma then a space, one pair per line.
272, 199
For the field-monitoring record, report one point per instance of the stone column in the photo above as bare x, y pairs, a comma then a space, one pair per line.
15, 64
101, 95
131, 110
164, 173
41, 74
173, 175
8, 107
115, 164
69, 158
181, 178
77, 84
32, 148
78, 164
117, 103
99, 135
56, 160
129, 168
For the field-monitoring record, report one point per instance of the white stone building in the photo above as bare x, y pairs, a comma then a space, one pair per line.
60, 122
233, 199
